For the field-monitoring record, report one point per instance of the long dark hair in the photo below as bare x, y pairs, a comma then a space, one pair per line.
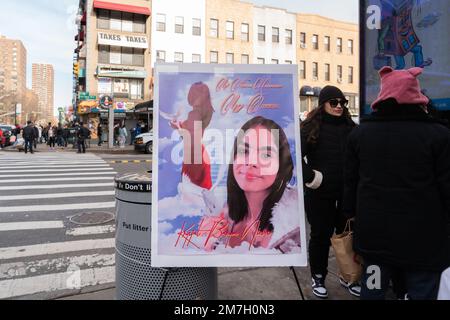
311, 125
237, 202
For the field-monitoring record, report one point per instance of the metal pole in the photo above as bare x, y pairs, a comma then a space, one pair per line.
15, 114
111, 128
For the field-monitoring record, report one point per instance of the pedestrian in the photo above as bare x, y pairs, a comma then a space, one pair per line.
2, 144
36, 136
397, 186
82, 134
323, 137
99, 134
65, 135
51, 136
59, 135
123, 134
29, 136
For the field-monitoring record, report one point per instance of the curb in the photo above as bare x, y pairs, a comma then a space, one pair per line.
129, 161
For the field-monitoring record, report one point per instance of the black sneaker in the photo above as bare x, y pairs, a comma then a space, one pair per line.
318, 286
353, 288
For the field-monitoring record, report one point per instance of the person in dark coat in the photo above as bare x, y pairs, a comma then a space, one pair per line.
100, 134
323, 139
83, 133
36, 136
397, 185
29, 135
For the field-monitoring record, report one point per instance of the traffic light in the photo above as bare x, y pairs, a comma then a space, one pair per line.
76, 68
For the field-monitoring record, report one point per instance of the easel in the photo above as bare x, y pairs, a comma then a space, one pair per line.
298, 282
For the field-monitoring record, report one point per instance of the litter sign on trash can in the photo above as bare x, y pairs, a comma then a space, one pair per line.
135, 278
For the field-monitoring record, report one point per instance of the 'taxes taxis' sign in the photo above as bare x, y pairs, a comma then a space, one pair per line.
121, 40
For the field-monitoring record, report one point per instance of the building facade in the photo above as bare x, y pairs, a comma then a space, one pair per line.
274, 38
327, 54
178, 31
43, 85
229, 32
13, 77
112, 58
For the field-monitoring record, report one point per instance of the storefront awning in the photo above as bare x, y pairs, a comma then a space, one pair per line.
121, 7
306, 91
144, 107
88, 104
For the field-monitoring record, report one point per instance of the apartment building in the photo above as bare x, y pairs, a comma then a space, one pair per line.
274, 37
229, 32
43, 85
178, 31
327, 54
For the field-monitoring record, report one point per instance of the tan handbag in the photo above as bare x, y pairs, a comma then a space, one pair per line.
349, 263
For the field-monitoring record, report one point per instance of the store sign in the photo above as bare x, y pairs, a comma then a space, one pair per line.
120, 40
135, 74
106, 102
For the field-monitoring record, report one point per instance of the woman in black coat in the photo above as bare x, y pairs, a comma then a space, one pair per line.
323, 137
398, 188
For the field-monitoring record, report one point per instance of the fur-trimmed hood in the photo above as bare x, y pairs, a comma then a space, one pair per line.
285, 215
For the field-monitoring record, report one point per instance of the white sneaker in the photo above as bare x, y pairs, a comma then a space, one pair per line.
318, 286
353, 288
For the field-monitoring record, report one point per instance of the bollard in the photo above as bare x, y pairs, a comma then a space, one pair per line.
135, 278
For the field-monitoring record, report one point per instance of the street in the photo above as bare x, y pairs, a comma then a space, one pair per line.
41, 245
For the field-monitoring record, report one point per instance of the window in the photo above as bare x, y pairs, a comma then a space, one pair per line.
261, 33
119, 55
115, 55
350, 46
121, 21
302, 69
196, 27
160, 22
103, 54
327, 72
179, 25
339, 73
261, 61
230, 58
127, 56
214, 57
288, 62
275, 34
136, 89
196, 58
315, 71
179, 57
288, 36
127, 22
121, 88
160, 56
230, 30
139, 23
116, 20
315, 42
326, 42
275, 61
339, 45
245, 32
302, 40
350, 74
103, 19
245, 59
214, 28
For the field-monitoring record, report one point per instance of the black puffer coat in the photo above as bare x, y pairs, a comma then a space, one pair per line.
398, 186
327, 156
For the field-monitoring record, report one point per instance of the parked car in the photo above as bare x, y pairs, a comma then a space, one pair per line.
7, 133
144, 142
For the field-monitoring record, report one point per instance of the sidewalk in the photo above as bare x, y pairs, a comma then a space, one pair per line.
93, 148
256, 284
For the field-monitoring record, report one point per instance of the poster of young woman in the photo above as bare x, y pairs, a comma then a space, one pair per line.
227, 185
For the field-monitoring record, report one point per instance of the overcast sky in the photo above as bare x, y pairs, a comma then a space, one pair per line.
46, 27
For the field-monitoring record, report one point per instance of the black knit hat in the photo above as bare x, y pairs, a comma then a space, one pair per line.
328, 93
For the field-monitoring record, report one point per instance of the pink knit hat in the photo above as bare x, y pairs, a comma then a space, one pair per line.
402, 85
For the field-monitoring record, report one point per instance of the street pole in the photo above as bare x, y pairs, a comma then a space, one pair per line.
111, 128
15, 113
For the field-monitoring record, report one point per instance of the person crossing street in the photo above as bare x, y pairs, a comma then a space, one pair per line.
29, 136
83, 133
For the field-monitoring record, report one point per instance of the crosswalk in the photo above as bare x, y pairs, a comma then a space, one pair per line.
42, 252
